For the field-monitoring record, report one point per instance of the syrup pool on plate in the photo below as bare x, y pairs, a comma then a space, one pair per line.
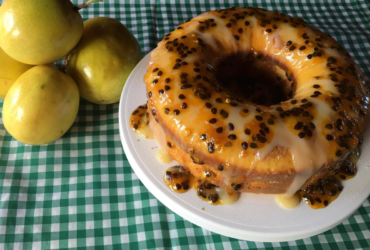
317, 195
325, 190
177, 178
139, 121
180, 181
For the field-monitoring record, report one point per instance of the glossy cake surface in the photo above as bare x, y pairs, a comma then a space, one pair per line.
296, 104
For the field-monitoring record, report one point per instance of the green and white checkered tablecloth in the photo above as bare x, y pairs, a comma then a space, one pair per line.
81, 193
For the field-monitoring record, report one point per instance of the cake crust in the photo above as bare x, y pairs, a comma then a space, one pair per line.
267, 148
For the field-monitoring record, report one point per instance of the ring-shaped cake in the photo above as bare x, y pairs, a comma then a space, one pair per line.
262, 101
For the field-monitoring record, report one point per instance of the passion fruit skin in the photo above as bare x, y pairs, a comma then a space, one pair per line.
41, 105
10, 70
103, 60
37, 31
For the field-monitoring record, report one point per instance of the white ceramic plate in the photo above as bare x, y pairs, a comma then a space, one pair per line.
253, 217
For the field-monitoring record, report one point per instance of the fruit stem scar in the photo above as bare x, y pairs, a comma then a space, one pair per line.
67, 58
84, 5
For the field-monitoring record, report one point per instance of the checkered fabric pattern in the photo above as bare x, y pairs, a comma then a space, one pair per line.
81, 193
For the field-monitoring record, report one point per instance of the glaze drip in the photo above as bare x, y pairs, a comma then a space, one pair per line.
327, 188
139, 121
275, 147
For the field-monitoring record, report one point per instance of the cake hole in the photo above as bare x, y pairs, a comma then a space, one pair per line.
256, 79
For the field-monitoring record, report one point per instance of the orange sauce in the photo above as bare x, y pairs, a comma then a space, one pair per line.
178, 179
139, 121
207, 192
327, 189
317, 195
181, 181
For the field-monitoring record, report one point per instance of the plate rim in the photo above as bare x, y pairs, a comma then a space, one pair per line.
187, 212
